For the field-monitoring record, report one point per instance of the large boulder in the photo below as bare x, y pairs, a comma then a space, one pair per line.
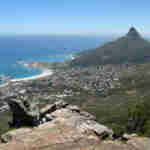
52, 107
72, 115
68, 130
24, 109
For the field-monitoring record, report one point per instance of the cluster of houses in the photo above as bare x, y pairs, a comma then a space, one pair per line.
91, 78
68, 82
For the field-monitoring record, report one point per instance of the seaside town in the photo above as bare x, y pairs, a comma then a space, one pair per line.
91, 79
60, 83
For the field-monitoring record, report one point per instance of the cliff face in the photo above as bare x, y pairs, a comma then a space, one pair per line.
66, 127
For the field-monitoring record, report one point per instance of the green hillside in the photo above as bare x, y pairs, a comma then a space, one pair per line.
129, 48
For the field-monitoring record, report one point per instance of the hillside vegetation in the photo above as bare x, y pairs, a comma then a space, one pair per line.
129, 48
125, 109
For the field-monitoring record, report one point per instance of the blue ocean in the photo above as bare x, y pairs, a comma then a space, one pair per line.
40, 48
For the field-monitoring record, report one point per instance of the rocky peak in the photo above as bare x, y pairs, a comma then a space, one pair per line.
133, 33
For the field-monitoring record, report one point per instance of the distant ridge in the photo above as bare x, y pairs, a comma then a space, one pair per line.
131, 48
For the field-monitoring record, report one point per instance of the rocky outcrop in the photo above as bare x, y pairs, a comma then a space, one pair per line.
59, 136
25, 110
62, 126
50, 136
66, 127
52, 107
71, 115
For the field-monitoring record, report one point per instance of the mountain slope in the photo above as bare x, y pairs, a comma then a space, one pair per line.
129, 48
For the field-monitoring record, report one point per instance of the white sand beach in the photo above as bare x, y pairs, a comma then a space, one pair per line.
3, 85
44, 74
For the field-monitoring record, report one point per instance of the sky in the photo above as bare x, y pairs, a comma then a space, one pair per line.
97, 17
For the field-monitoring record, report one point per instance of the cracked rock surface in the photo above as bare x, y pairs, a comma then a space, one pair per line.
66, 127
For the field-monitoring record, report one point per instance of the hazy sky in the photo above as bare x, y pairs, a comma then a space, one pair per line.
73, 16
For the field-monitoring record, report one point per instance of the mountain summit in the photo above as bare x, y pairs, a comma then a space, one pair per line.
133, 33
131, 48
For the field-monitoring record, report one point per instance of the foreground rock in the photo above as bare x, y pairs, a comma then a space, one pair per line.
25, 110
58, 135
66, 127
50, 136
26, 113
72, 116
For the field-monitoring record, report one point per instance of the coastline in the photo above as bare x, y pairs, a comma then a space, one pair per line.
45, 72
42, 75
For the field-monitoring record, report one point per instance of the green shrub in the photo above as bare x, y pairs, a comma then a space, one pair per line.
139, 120
118, 131
147, 128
